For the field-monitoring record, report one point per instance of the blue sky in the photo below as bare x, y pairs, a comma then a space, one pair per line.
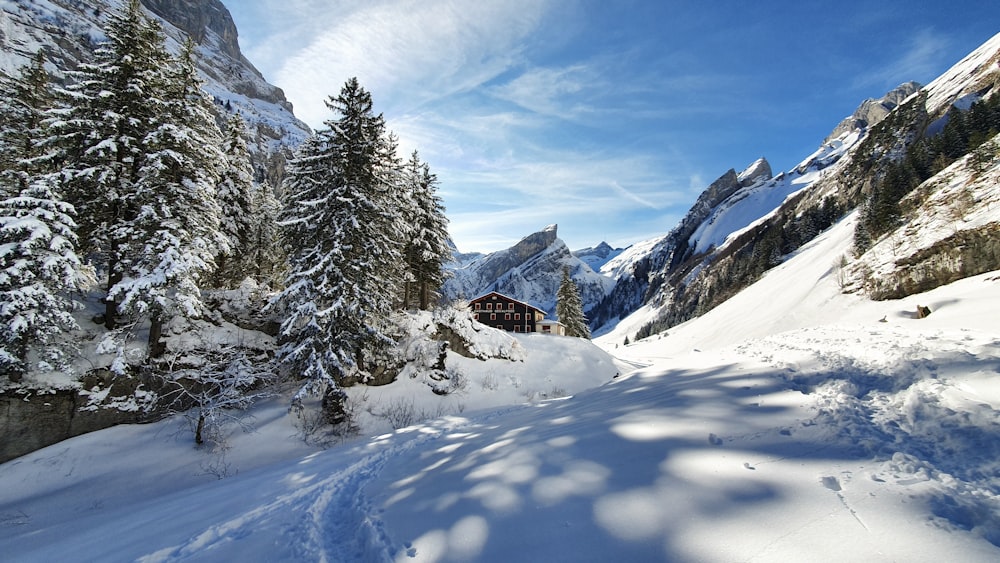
607, 118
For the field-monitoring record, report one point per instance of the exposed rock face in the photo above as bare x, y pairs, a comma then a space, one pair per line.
210, 25
649, 272
717, 192
759, 171
31, 419
872, 111
597, 256
197, 17
498, 263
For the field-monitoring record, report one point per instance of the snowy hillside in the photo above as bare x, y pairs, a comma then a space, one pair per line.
769, 429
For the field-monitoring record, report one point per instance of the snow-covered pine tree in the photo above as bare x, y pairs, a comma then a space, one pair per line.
26, 97
266, 255
569, 307
114, 104
38, 261
427, 247
174, 235
343, 251
237, 201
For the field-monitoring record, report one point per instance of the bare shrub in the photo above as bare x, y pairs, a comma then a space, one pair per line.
314, 427
400, 413
490, 382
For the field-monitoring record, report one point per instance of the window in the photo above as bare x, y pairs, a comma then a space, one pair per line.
489, 306
517, 316
517, 328
478, 306
493, 316
506, 317
475, 316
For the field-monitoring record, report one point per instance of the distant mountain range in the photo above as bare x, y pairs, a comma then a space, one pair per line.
746, 223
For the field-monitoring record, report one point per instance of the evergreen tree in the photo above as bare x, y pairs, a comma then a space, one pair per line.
342, 248
427, 248
100, 135
266, 256
237, 200
569, 308
38, 261
25, 100
175, 234
140, 161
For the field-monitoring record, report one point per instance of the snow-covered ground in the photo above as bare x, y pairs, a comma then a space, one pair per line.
792, 423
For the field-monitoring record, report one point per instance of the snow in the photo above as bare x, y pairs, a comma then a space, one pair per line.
948, 87
791, 423
621, 265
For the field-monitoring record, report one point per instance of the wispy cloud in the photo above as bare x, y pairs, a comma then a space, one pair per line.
921, 59
407, 52
557, 92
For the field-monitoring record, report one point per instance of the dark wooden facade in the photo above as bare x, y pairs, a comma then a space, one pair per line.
506, 313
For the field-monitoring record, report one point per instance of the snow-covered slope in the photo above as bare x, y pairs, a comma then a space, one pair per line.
720, 248
773, 428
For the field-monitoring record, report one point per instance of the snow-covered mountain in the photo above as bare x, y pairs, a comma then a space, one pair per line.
596, 257
743, 224
68, 31
529, 271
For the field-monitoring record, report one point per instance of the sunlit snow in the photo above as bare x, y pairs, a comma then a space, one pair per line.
792, 423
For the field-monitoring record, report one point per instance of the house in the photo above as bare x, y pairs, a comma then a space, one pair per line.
548, 326
506, 313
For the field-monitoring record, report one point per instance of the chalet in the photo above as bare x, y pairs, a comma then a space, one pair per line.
549, 326
506, 313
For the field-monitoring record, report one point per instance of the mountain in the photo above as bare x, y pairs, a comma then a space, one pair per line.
529, 271
596, 257
745, 224
69, 30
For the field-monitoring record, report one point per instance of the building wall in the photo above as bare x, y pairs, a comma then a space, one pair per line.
508, 314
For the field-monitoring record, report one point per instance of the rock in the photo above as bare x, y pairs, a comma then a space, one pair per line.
872, 111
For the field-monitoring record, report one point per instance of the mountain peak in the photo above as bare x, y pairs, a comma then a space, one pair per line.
759, 170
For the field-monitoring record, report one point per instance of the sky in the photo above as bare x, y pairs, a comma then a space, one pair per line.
606, 118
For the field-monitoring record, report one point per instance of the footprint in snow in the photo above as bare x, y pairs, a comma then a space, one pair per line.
832, 483
748, 466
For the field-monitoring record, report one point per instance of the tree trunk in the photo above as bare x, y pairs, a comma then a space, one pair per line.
110, 304
156, 345
425, 295
198, 439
